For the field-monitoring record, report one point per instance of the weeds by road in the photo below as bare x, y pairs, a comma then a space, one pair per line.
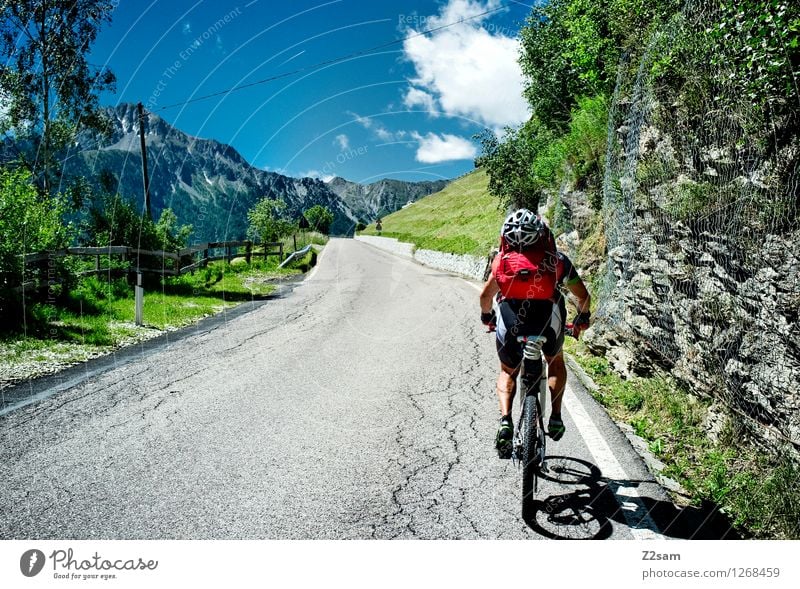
758, 491
98, 316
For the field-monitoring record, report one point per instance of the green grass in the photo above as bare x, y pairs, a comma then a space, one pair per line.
761, 493
303, 239
99, 315
461, 219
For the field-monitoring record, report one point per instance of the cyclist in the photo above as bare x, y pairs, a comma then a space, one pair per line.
523, 297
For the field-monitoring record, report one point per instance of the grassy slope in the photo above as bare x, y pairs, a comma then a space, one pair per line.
99, 315
461, 219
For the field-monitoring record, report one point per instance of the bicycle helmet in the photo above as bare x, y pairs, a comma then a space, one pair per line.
522, 228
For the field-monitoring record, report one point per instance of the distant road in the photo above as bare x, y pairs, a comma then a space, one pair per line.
361, 405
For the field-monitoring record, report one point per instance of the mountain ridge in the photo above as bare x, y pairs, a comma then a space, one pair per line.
211, 186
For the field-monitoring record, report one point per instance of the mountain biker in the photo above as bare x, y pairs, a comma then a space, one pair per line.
535, 310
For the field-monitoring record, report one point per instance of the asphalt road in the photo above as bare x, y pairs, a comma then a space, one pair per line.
360, 405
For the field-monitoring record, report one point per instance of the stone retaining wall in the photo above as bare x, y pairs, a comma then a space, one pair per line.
463, 264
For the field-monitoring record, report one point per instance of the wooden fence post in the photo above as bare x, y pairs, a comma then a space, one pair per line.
248, 251
280, 251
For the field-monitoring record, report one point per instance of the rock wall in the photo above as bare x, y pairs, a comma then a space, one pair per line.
701, 230
729, 332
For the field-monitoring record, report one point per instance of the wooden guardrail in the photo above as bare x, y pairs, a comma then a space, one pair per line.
180, 262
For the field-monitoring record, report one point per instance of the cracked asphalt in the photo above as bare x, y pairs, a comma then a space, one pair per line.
359, 405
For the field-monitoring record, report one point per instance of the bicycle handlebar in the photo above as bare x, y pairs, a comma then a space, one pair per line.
568, 329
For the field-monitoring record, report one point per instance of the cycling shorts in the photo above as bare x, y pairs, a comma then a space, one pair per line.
528, 317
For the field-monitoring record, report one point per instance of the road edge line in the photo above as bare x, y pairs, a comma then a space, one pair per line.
640, 523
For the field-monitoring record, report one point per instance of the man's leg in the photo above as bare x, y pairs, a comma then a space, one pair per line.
505, 395
505, 388
557, 381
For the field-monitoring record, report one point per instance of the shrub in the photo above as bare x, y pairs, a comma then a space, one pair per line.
28, 223
319, 218
116, 221
267, 222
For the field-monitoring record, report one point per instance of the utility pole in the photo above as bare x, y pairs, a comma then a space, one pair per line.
145, 177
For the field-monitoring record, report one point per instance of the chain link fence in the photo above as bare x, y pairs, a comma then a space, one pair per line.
700, 197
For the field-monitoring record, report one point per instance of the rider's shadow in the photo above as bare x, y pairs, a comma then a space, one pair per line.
590, 511
575, 514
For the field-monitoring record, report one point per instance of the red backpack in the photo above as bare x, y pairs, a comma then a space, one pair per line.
528, 273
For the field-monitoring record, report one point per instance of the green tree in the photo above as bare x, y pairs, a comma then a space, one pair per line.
117, 221
267, 221
573, 48
171, 236
510, 164
27, 224
320, 218
48, 87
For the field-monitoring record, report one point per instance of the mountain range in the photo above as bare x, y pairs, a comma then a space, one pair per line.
210, 186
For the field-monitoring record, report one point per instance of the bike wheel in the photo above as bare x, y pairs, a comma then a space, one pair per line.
530, 448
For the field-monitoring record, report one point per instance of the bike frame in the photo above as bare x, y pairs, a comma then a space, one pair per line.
532, 353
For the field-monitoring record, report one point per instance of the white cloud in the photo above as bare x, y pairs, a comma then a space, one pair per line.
456, 10
342, 141
383, 134
416, 97
435, 148
363, 121
316, 174
281, 171
377, 128
470, 71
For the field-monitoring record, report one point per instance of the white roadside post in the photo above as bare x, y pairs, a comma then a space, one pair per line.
139, 296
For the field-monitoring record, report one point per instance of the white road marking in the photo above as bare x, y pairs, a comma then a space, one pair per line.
642, 526
319, 260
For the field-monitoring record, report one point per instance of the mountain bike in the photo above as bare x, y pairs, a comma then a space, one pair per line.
530, 437
530, 442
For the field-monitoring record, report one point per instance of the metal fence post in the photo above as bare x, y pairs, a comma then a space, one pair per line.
139, 299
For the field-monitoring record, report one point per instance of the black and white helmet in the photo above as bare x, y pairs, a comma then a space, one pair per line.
522, 228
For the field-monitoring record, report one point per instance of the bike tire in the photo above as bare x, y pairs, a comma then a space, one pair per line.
530, 448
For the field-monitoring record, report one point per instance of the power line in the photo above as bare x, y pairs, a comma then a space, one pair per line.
330, 61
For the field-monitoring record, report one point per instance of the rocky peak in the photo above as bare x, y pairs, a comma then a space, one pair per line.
211, 186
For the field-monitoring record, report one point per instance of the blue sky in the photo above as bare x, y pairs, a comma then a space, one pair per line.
407, 111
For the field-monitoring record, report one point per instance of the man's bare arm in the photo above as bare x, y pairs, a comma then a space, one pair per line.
584, 299
490, 289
